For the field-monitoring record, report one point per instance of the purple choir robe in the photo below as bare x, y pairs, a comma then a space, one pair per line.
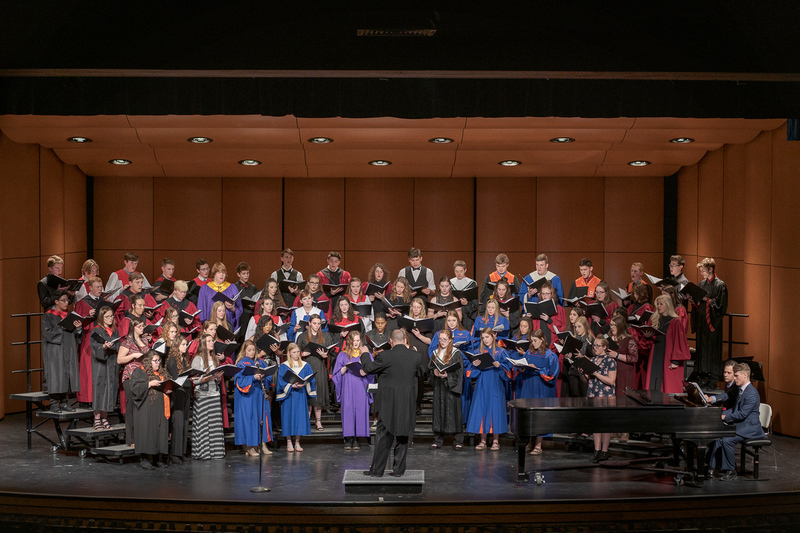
352, 395
205, 303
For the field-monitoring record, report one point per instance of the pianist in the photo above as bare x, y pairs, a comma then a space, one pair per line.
731, 393
745, 415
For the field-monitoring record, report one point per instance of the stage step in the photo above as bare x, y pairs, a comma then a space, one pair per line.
355, 482
117, 451
65, 415
30, 396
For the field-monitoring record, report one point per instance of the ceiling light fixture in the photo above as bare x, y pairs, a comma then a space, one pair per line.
681, 140
250, 162
200, 140
79, 140
562, 140
509, 163
639, 163
441, 140
380, 163
120, 161
320, 140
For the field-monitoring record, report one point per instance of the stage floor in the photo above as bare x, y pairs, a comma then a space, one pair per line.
314, 477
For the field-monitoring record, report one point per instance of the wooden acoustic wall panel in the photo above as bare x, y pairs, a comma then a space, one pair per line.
252, 213
701, 136
490, 136
187, 213
314, 126
56, 138
360, 136
491, 170
53, 131
74, 209
687, 210
582, 230
710, 196
733, 201
442, 262
3, 369
97, 158
73, 263
314, 215
758, 200
51, 203
755, 293
664, 157
688, 124
733, 274
506, 215
633, 215
378, 215
649, 171
444, 214
785, 194
123, 214
785, 372
19, 166
210, 121
19, 281
221, 137
784, 411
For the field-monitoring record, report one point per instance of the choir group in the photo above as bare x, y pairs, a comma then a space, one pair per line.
174, 352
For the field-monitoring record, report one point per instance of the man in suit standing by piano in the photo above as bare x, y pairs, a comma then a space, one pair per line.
398, 369
745, 414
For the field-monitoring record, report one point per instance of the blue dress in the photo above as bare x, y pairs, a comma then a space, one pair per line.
481, 323
488, 410
250, 406
530, 383
294, 402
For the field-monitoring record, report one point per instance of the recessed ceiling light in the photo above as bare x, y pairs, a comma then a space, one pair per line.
562, 140
320, 140
79, 140
380, 163
509, 163
200, 140
250, 162
639, 163
682, 140
441, 140
119, 161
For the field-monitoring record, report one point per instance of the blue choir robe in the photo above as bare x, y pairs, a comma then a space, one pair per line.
487, 413
294, 402
353, 397
205, 303
481, 323
459, 335
298, 315
541, 383
534, 276
250, 406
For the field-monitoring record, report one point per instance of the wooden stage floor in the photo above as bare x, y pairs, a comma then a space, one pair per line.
464, 491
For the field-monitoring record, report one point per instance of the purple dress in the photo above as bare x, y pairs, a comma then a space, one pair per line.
205, 303
352, 395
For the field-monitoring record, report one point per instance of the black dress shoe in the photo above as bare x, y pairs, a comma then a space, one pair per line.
55, 407
67, 407
394, 474
603, 456
595, 457
369, 473
355, 445
730, 475
146, 464
175, 459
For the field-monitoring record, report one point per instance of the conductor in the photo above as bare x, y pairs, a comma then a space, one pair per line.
397, 371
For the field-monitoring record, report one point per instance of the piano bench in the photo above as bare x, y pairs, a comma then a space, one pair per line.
756, 445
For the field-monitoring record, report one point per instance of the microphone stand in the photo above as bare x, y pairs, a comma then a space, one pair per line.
261, 487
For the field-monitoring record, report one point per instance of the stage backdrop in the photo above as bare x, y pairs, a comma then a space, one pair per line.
739, 206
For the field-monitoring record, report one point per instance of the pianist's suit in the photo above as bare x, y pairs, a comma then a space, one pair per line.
745, 415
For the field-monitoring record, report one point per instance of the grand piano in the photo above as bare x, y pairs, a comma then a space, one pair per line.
633, 412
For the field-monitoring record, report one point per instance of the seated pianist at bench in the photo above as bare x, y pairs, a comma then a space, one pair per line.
745, 416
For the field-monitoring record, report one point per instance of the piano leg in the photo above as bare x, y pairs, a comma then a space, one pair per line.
522, 477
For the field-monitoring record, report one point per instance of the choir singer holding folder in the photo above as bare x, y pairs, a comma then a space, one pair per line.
397, 371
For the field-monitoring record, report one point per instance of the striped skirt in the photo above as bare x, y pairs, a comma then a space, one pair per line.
208, 441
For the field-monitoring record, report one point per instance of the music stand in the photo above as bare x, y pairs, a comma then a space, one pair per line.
261, 487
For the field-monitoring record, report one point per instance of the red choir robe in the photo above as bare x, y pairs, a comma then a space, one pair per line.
125, 306
676, 350
83, 307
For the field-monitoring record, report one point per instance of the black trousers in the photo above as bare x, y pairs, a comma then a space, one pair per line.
383, 445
